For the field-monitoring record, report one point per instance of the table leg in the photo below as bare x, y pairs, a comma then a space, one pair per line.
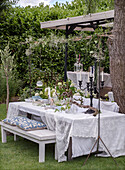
4, 135
16, 137
70, 150
56, 153
29, 115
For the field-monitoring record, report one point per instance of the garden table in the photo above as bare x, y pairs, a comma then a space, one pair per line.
81, 127
75, 77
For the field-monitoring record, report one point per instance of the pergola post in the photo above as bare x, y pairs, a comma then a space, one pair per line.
66, 54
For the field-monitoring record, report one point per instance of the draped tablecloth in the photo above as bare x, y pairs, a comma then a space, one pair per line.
104, 105
75, 77
83, 128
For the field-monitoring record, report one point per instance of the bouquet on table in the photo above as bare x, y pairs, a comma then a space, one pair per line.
65, 90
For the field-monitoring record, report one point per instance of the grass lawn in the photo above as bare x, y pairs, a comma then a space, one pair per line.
23, 155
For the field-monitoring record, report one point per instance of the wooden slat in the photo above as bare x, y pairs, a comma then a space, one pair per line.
77, 28
79, 19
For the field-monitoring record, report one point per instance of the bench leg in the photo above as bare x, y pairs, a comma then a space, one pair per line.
4, 135
56, 153
41, 152
15, 137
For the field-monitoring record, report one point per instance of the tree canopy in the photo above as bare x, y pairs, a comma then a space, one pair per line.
5, 4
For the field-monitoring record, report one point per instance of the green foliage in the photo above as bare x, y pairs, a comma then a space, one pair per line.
14, 86
6, 4
18, 23
3, 92
7, 61
67, 107
26, 93
7, 71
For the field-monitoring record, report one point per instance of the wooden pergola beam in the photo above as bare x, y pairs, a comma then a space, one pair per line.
102, 16
80, 23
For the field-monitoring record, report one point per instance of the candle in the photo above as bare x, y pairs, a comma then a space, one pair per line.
49, 96
90, 71
80, 76
102, 75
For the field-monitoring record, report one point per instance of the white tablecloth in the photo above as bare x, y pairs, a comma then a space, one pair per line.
75, 77
80, 127
104, 105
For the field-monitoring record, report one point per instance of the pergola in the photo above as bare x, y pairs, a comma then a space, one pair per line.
81, 23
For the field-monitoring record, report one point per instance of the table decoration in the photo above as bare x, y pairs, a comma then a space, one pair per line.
65, 90
92, 85
48, 90
62, 107
36, 97
39, 83
80, 93
111, 97
78, 66
94, 111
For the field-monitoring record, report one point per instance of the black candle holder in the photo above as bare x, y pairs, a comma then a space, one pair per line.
95, 88
91, 90
92, 87
88, 86
102, 84
80, 84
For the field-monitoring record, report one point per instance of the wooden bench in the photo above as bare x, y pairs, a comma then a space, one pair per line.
41, 137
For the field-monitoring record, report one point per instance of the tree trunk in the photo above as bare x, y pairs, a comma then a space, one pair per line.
117, 55
7, 100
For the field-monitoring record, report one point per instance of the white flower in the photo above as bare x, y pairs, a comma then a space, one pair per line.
60, 84
106, 95
53, 94
77, 94
36, 94
41, 93
72, 85
78, 90
94, 95
91, 52
53, 90
28, 52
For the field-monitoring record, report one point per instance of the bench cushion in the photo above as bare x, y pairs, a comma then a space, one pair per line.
25, 123
31, 125
14, 120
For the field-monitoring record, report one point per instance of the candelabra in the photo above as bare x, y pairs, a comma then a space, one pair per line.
92, 88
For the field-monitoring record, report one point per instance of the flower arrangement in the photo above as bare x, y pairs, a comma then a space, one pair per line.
43, 94
65, 90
